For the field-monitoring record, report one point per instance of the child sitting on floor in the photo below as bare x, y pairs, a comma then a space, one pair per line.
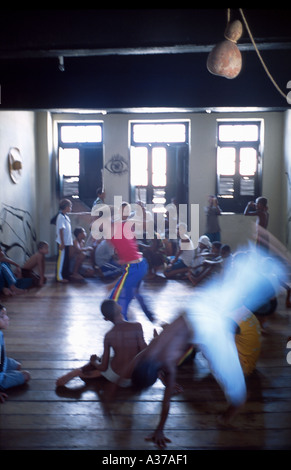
36, 261
11, 283
78, 254
184, 258
10, 373
209, 266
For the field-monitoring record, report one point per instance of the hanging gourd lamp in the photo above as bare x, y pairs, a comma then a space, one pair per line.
225, 58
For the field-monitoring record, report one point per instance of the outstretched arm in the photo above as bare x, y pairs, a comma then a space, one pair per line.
250, 209
158, 436
6, 259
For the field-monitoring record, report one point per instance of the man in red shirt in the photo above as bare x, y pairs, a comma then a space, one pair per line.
135, 267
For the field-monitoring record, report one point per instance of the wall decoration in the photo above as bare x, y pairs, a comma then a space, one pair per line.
117, 165
17, 233
15, 164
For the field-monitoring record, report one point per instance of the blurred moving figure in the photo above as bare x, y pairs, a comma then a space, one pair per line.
208, 322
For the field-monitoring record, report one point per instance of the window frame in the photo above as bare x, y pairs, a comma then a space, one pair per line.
150, 188
74, 145
78, 124
238, 202
158, 143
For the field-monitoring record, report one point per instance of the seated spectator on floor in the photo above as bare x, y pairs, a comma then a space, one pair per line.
11, 374
36, 261
182, 261
78, 254
225, 251
171, 245
210, 265
202, 250
155, 254
10, 283
215, 249
106, 262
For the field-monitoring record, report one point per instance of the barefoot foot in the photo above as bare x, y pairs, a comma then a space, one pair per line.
61, 381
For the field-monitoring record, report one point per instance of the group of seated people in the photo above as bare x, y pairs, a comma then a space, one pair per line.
167, 259
197, 264
16, 279
97, 258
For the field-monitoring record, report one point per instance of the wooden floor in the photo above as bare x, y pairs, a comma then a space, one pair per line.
56, 328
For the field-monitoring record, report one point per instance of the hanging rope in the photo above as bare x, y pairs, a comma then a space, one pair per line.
259, 55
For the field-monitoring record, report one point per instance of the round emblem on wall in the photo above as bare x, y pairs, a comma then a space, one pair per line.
15, 164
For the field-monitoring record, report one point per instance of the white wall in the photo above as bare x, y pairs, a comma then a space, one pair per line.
46, 178
18, 202
116, 141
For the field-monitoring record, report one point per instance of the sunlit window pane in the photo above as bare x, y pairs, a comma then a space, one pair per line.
159, 166
247, 186
140, 194
226, 187
159, 196
225, 133
139, 166
71, 186
89, 133
159, 200
226, 161
251, 132
238, 132
93, 133
69, 162
150, 133
248, 161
